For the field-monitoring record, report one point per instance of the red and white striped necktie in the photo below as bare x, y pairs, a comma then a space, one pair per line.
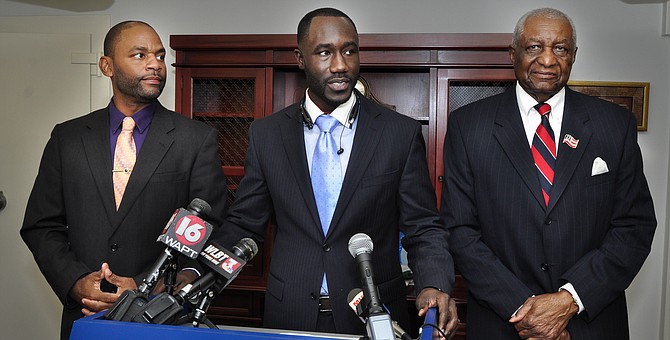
544, 151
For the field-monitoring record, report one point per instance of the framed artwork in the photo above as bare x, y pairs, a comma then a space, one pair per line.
632, 95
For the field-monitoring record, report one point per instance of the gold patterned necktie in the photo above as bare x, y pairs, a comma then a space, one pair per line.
124, 159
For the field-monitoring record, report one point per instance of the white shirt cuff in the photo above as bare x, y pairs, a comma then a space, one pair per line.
571, 289
193, 270
517, 310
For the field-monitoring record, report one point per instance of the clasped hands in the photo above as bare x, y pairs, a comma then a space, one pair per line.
545, 316
447, 319
87, 290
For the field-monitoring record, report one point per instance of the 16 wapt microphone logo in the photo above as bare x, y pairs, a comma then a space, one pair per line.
189, 235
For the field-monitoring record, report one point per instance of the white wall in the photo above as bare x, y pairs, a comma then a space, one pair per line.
619, 40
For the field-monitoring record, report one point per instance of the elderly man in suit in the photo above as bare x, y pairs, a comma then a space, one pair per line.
109, 181
549, 212
381, 187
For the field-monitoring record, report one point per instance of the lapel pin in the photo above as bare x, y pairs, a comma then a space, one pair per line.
571, 141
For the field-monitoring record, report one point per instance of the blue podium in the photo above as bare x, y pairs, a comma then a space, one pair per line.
99, 328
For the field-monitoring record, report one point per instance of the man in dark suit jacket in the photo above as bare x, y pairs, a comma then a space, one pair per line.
554, 268
385, 190
72, 224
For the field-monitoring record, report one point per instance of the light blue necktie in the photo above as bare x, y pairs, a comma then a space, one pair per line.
326, 176
326, 171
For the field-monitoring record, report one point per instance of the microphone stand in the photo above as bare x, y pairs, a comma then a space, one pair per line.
170, 278
199, 314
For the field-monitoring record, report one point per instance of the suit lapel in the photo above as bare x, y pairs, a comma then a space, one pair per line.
509, 132
293, 139
156, 145
368, 132
98, 154
575, 123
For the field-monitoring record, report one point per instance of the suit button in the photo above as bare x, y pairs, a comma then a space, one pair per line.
326, 247
312, 295
114, 247
544, 267
547, 221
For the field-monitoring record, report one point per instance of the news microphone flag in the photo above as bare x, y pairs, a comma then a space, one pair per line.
222, 260
186, 233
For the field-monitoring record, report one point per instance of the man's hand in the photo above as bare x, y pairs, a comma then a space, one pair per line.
447, 317
87, 290
184, 277
565, 335
545, 316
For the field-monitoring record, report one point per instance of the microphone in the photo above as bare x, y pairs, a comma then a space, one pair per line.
356, 296
186, 232
165, 308
340, 151
225, 265
360, 247
378, 324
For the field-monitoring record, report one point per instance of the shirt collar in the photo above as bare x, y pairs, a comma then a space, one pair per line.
527, 102
341, 113
142, 117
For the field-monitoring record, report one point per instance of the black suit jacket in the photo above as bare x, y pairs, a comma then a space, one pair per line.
595, 233
71, 224
386, 189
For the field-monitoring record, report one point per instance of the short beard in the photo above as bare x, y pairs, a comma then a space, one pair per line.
132, 87
318, 89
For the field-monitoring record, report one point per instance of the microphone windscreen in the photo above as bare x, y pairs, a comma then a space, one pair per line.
360, 243
200, 207
246, 248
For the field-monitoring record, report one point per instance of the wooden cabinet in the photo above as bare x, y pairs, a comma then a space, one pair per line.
227, 81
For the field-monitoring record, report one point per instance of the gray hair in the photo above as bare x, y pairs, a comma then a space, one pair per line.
549, 13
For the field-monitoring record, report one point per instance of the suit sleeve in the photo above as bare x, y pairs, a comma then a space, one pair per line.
605, 272
44, 227
207, 182
489, 280
425, 237
252, 209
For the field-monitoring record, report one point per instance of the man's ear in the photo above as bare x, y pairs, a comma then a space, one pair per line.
511, 53
299, 58
105, 65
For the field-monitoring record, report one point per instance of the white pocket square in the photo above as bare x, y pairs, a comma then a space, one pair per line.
599, 167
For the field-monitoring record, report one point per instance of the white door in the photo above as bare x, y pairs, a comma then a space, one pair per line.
39, 87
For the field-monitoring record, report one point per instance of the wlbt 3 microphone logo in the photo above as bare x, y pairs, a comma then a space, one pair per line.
220, 258
230, 265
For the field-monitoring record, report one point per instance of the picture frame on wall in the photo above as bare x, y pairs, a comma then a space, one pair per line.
634, 96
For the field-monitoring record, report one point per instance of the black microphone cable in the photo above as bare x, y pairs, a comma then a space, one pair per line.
341, 150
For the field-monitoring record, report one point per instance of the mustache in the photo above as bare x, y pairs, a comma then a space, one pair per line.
153, 76
339, 77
